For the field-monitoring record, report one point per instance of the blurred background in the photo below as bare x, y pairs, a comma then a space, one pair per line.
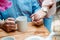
56, 19
57, 15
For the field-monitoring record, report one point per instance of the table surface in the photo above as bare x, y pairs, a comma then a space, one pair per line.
32, 30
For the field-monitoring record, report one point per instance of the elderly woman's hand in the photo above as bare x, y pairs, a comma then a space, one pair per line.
38, 23
38, 17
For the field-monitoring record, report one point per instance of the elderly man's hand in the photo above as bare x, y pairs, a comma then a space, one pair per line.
9, 24
38, 16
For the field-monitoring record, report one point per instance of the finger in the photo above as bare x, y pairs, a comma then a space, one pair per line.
12, 19
32, 18
32, 15
13, 26
36, 18
7, 25
34, 22
40, 20
9, 22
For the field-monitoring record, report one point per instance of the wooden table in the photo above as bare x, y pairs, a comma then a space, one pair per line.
32, 30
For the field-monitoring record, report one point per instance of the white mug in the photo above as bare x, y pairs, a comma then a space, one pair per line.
22, 23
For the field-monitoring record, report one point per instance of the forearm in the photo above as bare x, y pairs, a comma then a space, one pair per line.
49, 6
48, 3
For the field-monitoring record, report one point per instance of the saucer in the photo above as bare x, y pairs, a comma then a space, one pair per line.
34, 38
8, 38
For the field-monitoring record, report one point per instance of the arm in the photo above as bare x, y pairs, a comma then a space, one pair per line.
38, 13
48, 3
49, 6
47, 9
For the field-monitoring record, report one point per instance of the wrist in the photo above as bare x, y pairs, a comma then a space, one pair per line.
45, 9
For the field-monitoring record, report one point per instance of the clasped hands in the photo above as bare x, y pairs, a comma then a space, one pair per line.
38, 16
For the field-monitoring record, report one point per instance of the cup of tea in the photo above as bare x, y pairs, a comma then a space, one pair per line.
22, 23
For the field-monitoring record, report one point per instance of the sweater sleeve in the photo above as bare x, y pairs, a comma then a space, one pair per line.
35, 6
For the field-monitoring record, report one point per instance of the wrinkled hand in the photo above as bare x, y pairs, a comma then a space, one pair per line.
38, 17
39, 22
10, 23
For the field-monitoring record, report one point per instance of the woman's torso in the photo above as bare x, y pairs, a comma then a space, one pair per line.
19, 8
